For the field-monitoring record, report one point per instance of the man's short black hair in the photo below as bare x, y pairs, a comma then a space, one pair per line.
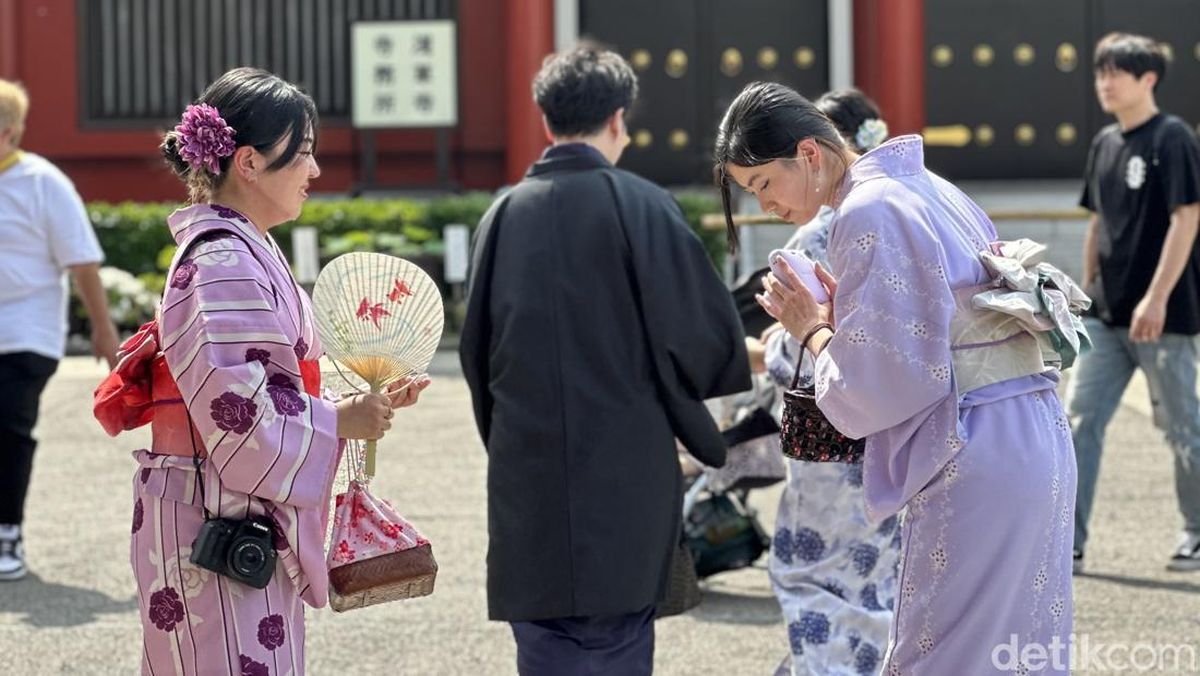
1134, 54
579, 89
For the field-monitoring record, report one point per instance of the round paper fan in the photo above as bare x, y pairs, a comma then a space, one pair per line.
379, 316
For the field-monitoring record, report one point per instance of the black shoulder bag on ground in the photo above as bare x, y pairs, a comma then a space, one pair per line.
723, 534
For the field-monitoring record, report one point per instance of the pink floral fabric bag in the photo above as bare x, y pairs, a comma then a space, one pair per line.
375, 554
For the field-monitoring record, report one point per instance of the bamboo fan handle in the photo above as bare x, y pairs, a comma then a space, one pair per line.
369, 468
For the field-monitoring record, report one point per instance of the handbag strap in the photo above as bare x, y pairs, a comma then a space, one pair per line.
803, 346
799, 365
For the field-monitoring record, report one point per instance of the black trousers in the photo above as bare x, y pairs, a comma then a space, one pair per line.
23, 376
618, 645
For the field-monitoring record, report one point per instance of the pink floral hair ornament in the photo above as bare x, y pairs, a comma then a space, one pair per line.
204, 138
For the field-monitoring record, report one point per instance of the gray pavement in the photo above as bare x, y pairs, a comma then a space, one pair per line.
76, 613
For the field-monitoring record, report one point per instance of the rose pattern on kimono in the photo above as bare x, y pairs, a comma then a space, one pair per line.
214, 253
252, 668
165, 604
240, 408
301, 349
270, 632
233, 412
259, 355
184, 272
185, 578
285, 396
192, 578
279, 537
229, 213
166, 609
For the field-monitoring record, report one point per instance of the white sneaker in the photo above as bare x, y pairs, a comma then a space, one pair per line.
1187, 556
12, 553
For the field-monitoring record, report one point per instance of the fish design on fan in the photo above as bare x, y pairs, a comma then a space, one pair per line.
399, 292
380, 342
369, 312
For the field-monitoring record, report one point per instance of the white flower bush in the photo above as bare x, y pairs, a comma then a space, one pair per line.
130, 303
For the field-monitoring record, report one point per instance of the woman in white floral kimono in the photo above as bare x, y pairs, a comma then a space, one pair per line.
833, 571
236, 393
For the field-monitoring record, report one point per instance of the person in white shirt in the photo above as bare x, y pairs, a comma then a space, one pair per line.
44, 232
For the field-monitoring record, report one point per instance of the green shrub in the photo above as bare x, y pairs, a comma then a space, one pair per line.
695, 205
132, 234
135, 237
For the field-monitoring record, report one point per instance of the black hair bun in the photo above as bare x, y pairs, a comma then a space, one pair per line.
170, 151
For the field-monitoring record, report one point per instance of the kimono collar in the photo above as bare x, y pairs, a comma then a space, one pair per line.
190, 221
568, 156
901, 156
572, 150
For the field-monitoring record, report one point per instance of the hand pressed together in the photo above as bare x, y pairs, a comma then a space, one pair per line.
793, 305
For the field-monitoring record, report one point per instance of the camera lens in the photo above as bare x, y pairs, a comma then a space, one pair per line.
247, 558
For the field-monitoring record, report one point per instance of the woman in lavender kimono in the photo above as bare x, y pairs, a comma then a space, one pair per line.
237, 335
962, 422
833, 571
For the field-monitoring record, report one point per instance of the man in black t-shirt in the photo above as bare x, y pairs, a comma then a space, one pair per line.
1142, 269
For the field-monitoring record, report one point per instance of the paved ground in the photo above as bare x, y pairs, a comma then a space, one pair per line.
76, 613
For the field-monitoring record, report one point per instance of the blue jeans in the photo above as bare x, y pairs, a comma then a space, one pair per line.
1095, 391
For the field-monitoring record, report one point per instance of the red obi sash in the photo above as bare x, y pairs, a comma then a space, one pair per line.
142, 390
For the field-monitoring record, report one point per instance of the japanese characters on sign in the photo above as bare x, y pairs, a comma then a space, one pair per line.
405, 74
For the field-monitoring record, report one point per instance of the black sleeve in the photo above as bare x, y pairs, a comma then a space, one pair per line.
475, 337
1087, 200
1179, 156
693, 331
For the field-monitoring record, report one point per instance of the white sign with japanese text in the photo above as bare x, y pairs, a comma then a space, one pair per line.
458, 252
305, 254
405, 74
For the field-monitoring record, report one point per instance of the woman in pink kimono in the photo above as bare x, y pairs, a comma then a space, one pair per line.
237, 335
962, 423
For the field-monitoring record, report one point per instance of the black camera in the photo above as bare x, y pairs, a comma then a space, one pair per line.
241, 550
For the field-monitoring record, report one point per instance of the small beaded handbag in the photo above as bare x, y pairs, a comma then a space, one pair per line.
806, 434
